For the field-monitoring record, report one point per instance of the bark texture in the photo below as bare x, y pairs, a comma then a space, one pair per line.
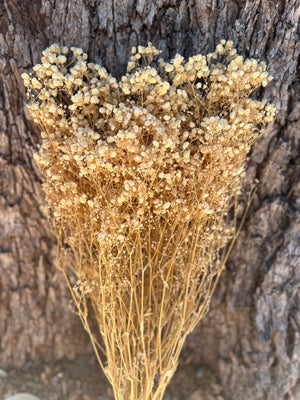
251, 337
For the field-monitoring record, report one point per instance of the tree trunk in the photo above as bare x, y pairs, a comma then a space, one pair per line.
250, 338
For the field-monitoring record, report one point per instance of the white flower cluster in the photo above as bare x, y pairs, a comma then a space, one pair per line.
163, 143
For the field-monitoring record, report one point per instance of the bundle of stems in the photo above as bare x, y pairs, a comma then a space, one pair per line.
140, 176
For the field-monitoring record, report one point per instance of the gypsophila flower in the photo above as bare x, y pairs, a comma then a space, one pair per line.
139, 177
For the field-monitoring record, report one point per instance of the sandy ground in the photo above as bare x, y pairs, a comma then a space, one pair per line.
82, 379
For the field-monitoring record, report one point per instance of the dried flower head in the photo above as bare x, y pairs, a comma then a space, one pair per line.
139, 177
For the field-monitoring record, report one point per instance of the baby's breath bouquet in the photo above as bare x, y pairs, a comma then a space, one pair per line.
139, 178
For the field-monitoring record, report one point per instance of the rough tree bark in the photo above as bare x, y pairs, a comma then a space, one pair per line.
251, 337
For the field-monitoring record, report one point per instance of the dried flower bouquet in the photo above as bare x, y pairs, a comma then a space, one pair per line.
139, 177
